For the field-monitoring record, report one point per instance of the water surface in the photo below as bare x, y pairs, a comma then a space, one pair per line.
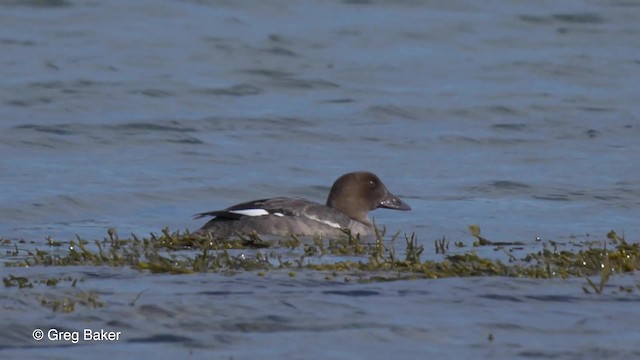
519, 117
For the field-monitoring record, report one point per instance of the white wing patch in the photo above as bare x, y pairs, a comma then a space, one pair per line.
326, 222
263, 212
250, 212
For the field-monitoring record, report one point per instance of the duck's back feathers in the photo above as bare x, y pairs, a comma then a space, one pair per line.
279, 206
276, 216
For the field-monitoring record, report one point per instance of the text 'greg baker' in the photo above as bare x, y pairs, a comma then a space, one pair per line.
90, 335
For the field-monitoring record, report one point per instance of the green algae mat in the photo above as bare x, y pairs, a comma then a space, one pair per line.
379, 258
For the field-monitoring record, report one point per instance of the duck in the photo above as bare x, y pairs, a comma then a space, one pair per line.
352, 197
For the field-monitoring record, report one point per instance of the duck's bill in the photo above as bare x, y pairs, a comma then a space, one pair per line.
391, 201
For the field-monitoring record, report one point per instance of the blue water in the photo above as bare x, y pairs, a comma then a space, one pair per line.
520, 117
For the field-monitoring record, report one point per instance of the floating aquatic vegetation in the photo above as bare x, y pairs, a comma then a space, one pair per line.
442, 245
23, 282
374, 259
67, 303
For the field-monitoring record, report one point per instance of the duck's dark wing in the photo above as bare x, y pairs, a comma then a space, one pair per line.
280, 206
278, 216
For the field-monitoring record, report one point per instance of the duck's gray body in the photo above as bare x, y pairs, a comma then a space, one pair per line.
352, 196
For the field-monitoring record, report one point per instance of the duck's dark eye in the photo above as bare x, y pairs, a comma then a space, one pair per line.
372, 183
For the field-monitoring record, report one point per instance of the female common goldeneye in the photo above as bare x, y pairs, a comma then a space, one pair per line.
351, 198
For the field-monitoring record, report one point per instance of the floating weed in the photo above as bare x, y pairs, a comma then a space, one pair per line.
62, 304
167, 268
251, 240
379, 249
624, 289
442, 245
375, 259
611, 235
318, 243
605, 273
347, 245
52, 242
23, 282
310, 251
56, 303
475, 232
13, 252
19, 281
512, 258
413, 249
292, 242
67, 304
596, 288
